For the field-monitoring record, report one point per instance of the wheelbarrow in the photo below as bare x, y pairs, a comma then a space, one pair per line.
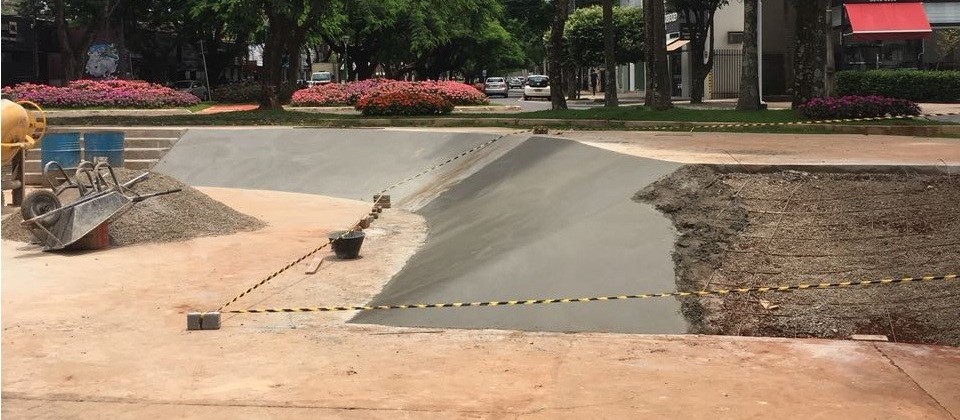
101, 200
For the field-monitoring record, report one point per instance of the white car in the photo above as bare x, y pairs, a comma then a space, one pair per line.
538, 86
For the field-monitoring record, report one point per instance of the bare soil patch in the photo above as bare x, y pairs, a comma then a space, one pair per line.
166, 218
760, 229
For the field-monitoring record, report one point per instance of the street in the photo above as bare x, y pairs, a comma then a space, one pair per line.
516, 98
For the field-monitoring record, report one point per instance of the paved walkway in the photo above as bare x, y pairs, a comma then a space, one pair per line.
83, 342
769, 149
217, 109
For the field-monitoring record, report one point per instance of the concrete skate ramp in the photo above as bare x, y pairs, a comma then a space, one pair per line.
550, 218
342, 163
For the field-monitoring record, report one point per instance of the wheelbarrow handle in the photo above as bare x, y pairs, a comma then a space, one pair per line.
140, 198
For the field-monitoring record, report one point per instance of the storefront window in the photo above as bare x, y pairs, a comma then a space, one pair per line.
882, 55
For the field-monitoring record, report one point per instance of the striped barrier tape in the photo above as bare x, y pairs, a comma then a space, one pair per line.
831, 121
761, 289
275, 274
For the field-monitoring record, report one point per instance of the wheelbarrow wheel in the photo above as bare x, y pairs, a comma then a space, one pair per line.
38, 203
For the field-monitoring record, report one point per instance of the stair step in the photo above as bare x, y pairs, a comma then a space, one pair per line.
129, 132
33, 175
33, 155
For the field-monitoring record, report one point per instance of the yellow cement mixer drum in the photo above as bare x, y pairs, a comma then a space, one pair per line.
23, 125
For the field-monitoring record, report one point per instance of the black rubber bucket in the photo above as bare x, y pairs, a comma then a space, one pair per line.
347, 247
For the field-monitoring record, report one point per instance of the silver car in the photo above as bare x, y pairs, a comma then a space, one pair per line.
496, 86
191, 86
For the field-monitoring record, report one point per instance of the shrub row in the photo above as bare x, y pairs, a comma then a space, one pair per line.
247, 92
856, 107
107, 93
921, 86
392, 97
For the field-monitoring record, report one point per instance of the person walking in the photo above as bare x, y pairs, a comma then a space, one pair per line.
593, 81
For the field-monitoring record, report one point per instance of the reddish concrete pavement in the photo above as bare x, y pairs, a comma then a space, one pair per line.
80, 342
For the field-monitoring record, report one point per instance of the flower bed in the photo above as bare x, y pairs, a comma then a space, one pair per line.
856, 107
400, 100
351, 93
103, 93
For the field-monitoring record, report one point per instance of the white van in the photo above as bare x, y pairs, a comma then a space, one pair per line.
320, 78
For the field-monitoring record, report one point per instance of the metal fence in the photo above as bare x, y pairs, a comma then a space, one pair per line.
726, 73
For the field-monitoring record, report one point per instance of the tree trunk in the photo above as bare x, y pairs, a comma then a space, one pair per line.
555, 51
699, 70
810, 51
273, 49
749, 79
655, 41
609, 55
570, 81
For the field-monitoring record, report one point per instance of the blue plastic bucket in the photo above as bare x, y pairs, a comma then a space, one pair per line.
104, 145
63, 148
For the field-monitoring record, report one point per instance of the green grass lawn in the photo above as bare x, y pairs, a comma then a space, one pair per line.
570, 117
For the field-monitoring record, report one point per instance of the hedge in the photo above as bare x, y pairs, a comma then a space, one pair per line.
915, 85
102, 93
247, 92
857, 107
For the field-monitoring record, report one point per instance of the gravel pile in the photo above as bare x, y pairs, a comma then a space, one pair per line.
167, 218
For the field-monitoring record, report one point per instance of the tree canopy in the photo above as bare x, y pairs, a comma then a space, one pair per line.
584, 35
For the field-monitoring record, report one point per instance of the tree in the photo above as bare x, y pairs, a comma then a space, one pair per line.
698, 17
948, 40
584, 36
609, 55
82, 18
809, 50
527, 21
749, 79
555, 54
655, 40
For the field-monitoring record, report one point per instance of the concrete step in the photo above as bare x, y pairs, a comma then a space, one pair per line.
33, 174
129, 132
33, 155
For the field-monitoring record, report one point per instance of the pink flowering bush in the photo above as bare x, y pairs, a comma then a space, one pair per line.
856, 107
400, 100
331, 94
350, 93
105, 93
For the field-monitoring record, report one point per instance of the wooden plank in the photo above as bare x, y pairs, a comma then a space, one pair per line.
314, 265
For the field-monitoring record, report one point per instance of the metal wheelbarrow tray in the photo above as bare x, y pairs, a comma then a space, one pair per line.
65, 225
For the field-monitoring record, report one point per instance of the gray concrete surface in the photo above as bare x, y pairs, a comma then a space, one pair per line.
549, 219
342, 163
524, 218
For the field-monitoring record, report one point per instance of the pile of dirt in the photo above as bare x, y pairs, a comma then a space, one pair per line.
788, 227
168, 218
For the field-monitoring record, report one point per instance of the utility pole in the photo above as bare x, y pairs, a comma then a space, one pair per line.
206, 74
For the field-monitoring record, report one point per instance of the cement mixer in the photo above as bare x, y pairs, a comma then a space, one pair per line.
24, 124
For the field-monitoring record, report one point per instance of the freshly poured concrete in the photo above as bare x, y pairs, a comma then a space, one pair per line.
549, 219
524, 218
342, 163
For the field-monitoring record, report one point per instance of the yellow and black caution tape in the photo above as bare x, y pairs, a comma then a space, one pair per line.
785, 123
801, 286
319, 248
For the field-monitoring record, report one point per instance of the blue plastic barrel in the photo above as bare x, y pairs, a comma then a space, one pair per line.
104, 145
63, 148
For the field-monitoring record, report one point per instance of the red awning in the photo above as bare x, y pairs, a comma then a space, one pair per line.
887, 21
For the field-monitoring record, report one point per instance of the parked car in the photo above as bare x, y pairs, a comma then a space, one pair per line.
191, 86
496, 86
515, 82
320, 78
538, 86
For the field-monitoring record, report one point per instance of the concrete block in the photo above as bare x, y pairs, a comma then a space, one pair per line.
381, 201
203, 320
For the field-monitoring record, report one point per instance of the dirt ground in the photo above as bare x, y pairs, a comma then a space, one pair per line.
759, 229
102, 335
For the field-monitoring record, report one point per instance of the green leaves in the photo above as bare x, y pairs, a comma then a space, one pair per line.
584, 35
